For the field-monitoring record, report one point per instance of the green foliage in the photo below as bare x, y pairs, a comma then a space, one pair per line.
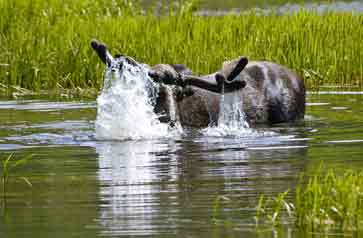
8, 165
270, 209
45, 44
217, 207
331, 201
324, 201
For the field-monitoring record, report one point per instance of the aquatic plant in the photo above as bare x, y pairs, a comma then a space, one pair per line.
217, 206
270, 209
326, 201
46, 46
330, 200
323, 201
8, 165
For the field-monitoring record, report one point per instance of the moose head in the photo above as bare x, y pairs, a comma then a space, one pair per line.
270, 93
186, 87
179, 75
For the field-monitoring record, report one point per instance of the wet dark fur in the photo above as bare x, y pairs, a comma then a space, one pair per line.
272, 94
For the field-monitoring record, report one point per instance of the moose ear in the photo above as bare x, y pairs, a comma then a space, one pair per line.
231, 69
164, 73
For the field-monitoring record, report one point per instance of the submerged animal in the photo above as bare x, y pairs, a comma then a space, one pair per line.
270, 93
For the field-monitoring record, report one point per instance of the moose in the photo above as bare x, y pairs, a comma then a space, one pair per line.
271, 93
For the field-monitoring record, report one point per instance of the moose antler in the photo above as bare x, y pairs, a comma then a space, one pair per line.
102, 52
219, 87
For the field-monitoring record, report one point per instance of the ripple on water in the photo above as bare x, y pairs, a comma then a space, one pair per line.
52, 139
344, 141
45, 106
167, 185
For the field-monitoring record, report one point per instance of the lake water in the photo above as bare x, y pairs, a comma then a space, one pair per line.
82, 187
280, 6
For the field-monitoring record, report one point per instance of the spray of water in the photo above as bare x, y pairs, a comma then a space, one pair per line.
125, 105
232, 119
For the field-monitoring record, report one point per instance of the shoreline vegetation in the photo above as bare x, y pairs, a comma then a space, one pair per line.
45, 44
325, 202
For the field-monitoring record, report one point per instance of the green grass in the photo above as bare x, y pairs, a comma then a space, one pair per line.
326, 202
44, 44
323, 202
331, 201
8, 165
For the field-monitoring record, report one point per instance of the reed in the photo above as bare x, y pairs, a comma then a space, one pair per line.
323, 202
331, 201
44, 44
8, 165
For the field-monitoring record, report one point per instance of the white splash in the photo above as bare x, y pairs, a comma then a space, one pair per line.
174, 116
232, 119
125, 106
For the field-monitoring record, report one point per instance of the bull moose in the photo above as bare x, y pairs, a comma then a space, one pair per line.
271, 93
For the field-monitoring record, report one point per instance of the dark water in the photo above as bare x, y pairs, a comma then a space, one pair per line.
161, 188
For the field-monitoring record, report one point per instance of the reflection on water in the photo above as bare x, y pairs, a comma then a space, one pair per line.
87, 188
130, 183
147, 187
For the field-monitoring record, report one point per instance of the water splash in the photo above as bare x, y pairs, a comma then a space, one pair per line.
232, 115
174, 116
232, 119
125, 106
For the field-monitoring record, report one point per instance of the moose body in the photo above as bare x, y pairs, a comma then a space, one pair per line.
270, 93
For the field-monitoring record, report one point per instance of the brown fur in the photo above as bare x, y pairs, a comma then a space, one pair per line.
270, 93
273, 94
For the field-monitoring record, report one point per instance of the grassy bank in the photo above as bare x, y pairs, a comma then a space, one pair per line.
45, 44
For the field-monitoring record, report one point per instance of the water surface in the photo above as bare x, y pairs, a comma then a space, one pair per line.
283, 6
163, 187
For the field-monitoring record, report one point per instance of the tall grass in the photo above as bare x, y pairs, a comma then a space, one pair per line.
44, 44
331, 201
323, 202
